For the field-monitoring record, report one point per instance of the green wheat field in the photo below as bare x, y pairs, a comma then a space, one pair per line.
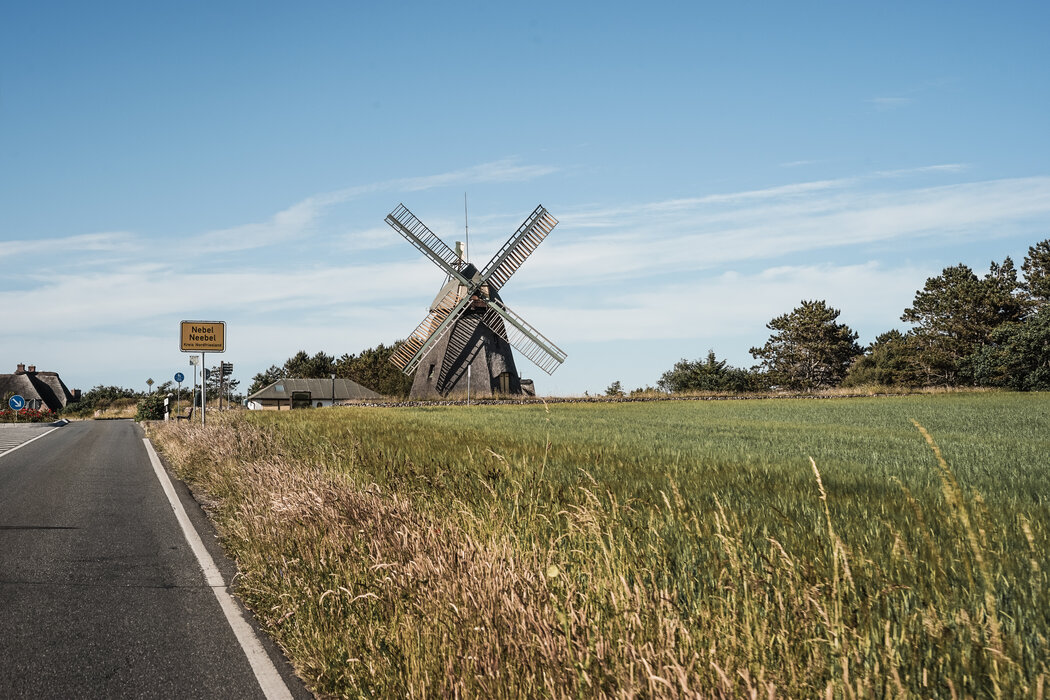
802, 548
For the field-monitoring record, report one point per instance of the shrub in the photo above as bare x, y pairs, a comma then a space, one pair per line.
27, 415
151, 407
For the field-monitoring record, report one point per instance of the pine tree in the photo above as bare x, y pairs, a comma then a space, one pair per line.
372, 368
265, 379
1036, 267
808, 349
710, 374
954, 315
1017, 355
888, 361
303, 366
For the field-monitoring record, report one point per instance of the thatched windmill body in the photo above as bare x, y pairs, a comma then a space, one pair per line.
469, 332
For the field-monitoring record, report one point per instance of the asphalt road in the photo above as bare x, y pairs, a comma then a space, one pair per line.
100, 593
13, 435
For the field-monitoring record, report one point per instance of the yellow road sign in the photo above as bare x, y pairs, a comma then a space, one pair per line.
203, 336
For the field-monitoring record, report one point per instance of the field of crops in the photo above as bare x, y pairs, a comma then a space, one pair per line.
878, 547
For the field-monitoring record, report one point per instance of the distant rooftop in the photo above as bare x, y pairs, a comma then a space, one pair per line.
345, 389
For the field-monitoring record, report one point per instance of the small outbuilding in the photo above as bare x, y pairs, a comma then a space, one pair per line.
39, 389
286, 394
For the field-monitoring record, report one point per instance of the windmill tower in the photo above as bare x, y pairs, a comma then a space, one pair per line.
469, 326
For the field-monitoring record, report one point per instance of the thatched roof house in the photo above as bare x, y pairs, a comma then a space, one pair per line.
39, 389
313, 392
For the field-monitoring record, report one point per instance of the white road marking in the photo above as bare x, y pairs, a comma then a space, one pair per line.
270, 680
14, 439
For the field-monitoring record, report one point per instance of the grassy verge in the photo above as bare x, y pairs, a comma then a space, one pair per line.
105, 410
788, 548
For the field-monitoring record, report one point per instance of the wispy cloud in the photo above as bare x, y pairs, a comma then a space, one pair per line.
498, 171
909, 95
288, 224
711, 232
80, 243
735, 303
923, 170
796, 191
679, 236
295, 224
297, 220
140, 294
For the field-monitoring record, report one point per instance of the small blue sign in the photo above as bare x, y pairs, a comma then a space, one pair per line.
179, 377
17, 403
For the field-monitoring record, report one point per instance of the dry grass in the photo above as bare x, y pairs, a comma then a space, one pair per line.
530, 587
117, 409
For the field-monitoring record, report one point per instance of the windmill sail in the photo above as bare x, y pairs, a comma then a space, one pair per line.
523, 337
433, 327
518, 247
415, 232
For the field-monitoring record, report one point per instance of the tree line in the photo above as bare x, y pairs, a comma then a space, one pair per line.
966, 331
370, 368
102, 397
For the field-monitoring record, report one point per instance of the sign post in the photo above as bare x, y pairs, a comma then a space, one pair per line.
17, 403
194, 359
179, 376
203, 337
226, 370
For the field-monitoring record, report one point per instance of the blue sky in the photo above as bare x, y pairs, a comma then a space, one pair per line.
711, 166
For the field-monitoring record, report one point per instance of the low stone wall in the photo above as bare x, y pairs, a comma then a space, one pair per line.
606, 399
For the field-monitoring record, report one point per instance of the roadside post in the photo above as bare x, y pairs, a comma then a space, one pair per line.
205, 376
194, 359
227, 371
167, 408
202, 337
179, 376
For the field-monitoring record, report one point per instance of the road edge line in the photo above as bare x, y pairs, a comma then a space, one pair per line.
7, 452
270, 681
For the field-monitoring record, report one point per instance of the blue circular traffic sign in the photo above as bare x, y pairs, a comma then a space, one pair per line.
16, 402
179, 377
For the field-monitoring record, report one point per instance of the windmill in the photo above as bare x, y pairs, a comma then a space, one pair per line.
469, 329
